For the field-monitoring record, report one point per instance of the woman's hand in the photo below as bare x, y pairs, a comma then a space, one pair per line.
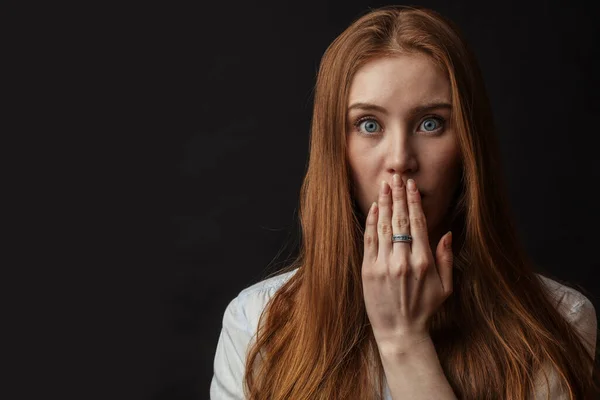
403, 285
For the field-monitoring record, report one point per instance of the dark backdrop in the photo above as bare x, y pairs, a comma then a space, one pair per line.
217, 97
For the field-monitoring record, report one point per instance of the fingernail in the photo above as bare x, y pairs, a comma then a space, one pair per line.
373, 208
385, 188
448, 241
411, 185
396, 179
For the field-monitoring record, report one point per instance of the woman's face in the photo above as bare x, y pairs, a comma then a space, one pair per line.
399, 112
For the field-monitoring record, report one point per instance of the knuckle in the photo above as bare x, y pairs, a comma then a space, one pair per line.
372, 273
401, 268
367, 273
369, 239
385, 228
414, 200
383, 199
418, 222
421, 265
401, 221
397, 193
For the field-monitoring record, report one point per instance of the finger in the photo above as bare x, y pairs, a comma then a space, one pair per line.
384, 224
418, 223
445, 262
400, 221
370, 236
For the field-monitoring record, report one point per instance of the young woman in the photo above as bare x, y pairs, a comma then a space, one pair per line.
411, 282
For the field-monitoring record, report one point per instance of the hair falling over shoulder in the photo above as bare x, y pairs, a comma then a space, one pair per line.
494, 332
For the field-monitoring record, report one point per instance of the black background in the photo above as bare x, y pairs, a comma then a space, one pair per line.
196, 118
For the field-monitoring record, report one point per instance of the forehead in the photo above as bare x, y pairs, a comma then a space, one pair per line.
403, 80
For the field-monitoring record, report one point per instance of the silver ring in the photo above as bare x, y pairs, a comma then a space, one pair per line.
401, 238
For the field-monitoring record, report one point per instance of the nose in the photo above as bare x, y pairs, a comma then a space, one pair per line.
400, 157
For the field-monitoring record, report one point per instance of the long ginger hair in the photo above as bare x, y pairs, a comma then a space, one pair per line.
499, 326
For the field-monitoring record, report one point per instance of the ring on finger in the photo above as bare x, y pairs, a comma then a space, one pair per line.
401, 239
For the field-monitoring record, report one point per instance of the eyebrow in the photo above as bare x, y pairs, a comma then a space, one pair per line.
416, 110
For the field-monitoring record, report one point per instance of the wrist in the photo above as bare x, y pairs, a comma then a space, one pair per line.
405, 345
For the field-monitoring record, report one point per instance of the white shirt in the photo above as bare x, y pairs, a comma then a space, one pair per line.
240, 322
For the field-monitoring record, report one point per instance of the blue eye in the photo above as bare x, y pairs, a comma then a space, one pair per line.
431, 126
370, 125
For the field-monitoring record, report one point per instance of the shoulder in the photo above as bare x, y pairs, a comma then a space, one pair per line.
579, 311
570, 301
248, 305
267, 285
575, 307
237, 334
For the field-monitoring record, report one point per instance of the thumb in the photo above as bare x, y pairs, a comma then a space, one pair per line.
445, 261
